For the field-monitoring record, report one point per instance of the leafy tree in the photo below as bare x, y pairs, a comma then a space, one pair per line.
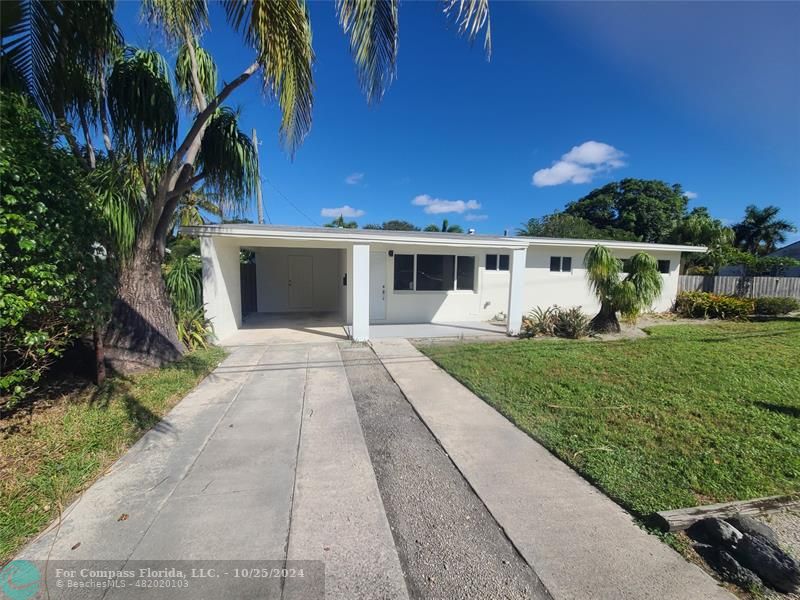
393, 225
55, 279
699, 228
68, 56
629, 295
340, 223
761, 230
445, 228
562, 225
649, 209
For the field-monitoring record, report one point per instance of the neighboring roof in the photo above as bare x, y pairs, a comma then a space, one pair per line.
282, 232
790, 251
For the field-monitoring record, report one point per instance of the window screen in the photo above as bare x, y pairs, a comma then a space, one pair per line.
663, 266
555, 264
465, 279
435, 272
504, 262
491, 262
403, 271
566, 263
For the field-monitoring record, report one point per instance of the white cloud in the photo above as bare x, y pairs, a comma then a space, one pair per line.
342, 211
354, 178
691, 195
580, 164
437, 206
475, 217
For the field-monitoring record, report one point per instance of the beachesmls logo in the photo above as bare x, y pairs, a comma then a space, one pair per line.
19, 580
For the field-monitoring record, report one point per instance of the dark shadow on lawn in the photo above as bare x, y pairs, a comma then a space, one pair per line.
792, 411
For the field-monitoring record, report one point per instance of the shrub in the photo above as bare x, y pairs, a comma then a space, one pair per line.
193, 327
572, 323
540, 321
54, 281
776, 305
704, 305
553, 320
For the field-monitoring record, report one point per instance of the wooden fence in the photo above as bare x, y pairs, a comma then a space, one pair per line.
752, 287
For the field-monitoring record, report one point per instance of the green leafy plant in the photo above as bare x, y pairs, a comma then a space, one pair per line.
629, 296
55, 281
776, 305
540, 321
572, 323
183, 277
704, 305
193, 328
553, 320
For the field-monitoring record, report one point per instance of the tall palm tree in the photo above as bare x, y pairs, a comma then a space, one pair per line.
761, 230
629, 295
68, 55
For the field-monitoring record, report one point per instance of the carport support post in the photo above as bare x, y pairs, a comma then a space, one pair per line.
516, 291
360, 290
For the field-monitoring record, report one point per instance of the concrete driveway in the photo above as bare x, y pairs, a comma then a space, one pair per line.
264, 463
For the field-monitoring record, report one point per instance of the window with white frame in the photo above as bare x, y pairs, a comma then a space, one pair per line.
497, 262
561, 264
433, 272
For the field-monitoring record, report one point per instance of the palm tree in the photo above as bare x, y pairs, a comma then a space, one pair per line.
761, 230
629, 296
445, 228
68, 56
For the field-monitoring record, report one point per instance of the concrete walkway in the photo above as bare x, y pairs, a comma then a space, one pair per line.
264, 461
580, 543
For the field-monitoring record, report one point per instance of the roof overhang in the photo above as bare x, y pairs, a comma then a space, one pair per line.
336, 236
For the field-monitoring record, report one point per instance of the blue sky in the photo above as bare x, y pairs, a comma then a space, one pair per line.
704, 94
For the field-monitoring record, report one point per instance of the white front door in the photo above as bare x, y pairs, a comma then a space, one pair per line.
377, 286
301, 274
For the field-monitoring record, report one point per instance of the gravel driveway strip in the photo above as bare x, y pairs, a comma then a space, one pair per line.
449, 544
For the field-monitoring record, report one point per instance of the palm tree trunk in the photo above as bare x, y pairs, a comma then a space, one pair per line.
606, 320
99, 356
142, 331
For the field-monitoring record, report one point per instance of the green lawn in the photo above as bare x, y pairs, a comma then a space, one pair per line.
49, 456
691, 415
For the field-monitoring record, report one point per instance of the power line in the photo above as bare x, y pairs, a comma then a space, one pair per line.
289, 202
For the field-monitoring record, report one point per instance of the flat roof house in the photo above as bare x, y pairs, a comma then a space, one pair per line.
364, 276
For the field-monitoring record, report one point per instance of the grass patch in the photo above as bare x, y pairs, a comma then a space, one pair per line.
690, 415
49, 455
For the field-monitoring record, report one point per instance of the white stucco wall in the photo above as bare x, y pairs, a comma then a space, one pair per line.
272, 278
222, 292
489, 297
545, 288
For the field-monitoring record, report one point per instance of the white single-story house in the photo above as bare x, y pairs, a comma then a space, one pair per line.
364, 276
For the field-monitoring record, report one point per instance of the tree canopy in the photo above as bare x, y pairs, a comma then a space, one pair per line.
561, 225
393, 225
649, 209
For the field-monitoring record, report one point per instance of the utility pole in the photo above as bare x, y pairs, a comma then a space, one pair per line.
259, 201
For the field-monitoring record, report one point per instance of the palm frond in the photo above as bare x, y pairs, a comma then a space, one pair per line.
646, 282
372, 27
602, 270
141, 103
183, 277
472, 16
228, 159
52, 48
206, 73
280, 32
120, 194
176, 18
